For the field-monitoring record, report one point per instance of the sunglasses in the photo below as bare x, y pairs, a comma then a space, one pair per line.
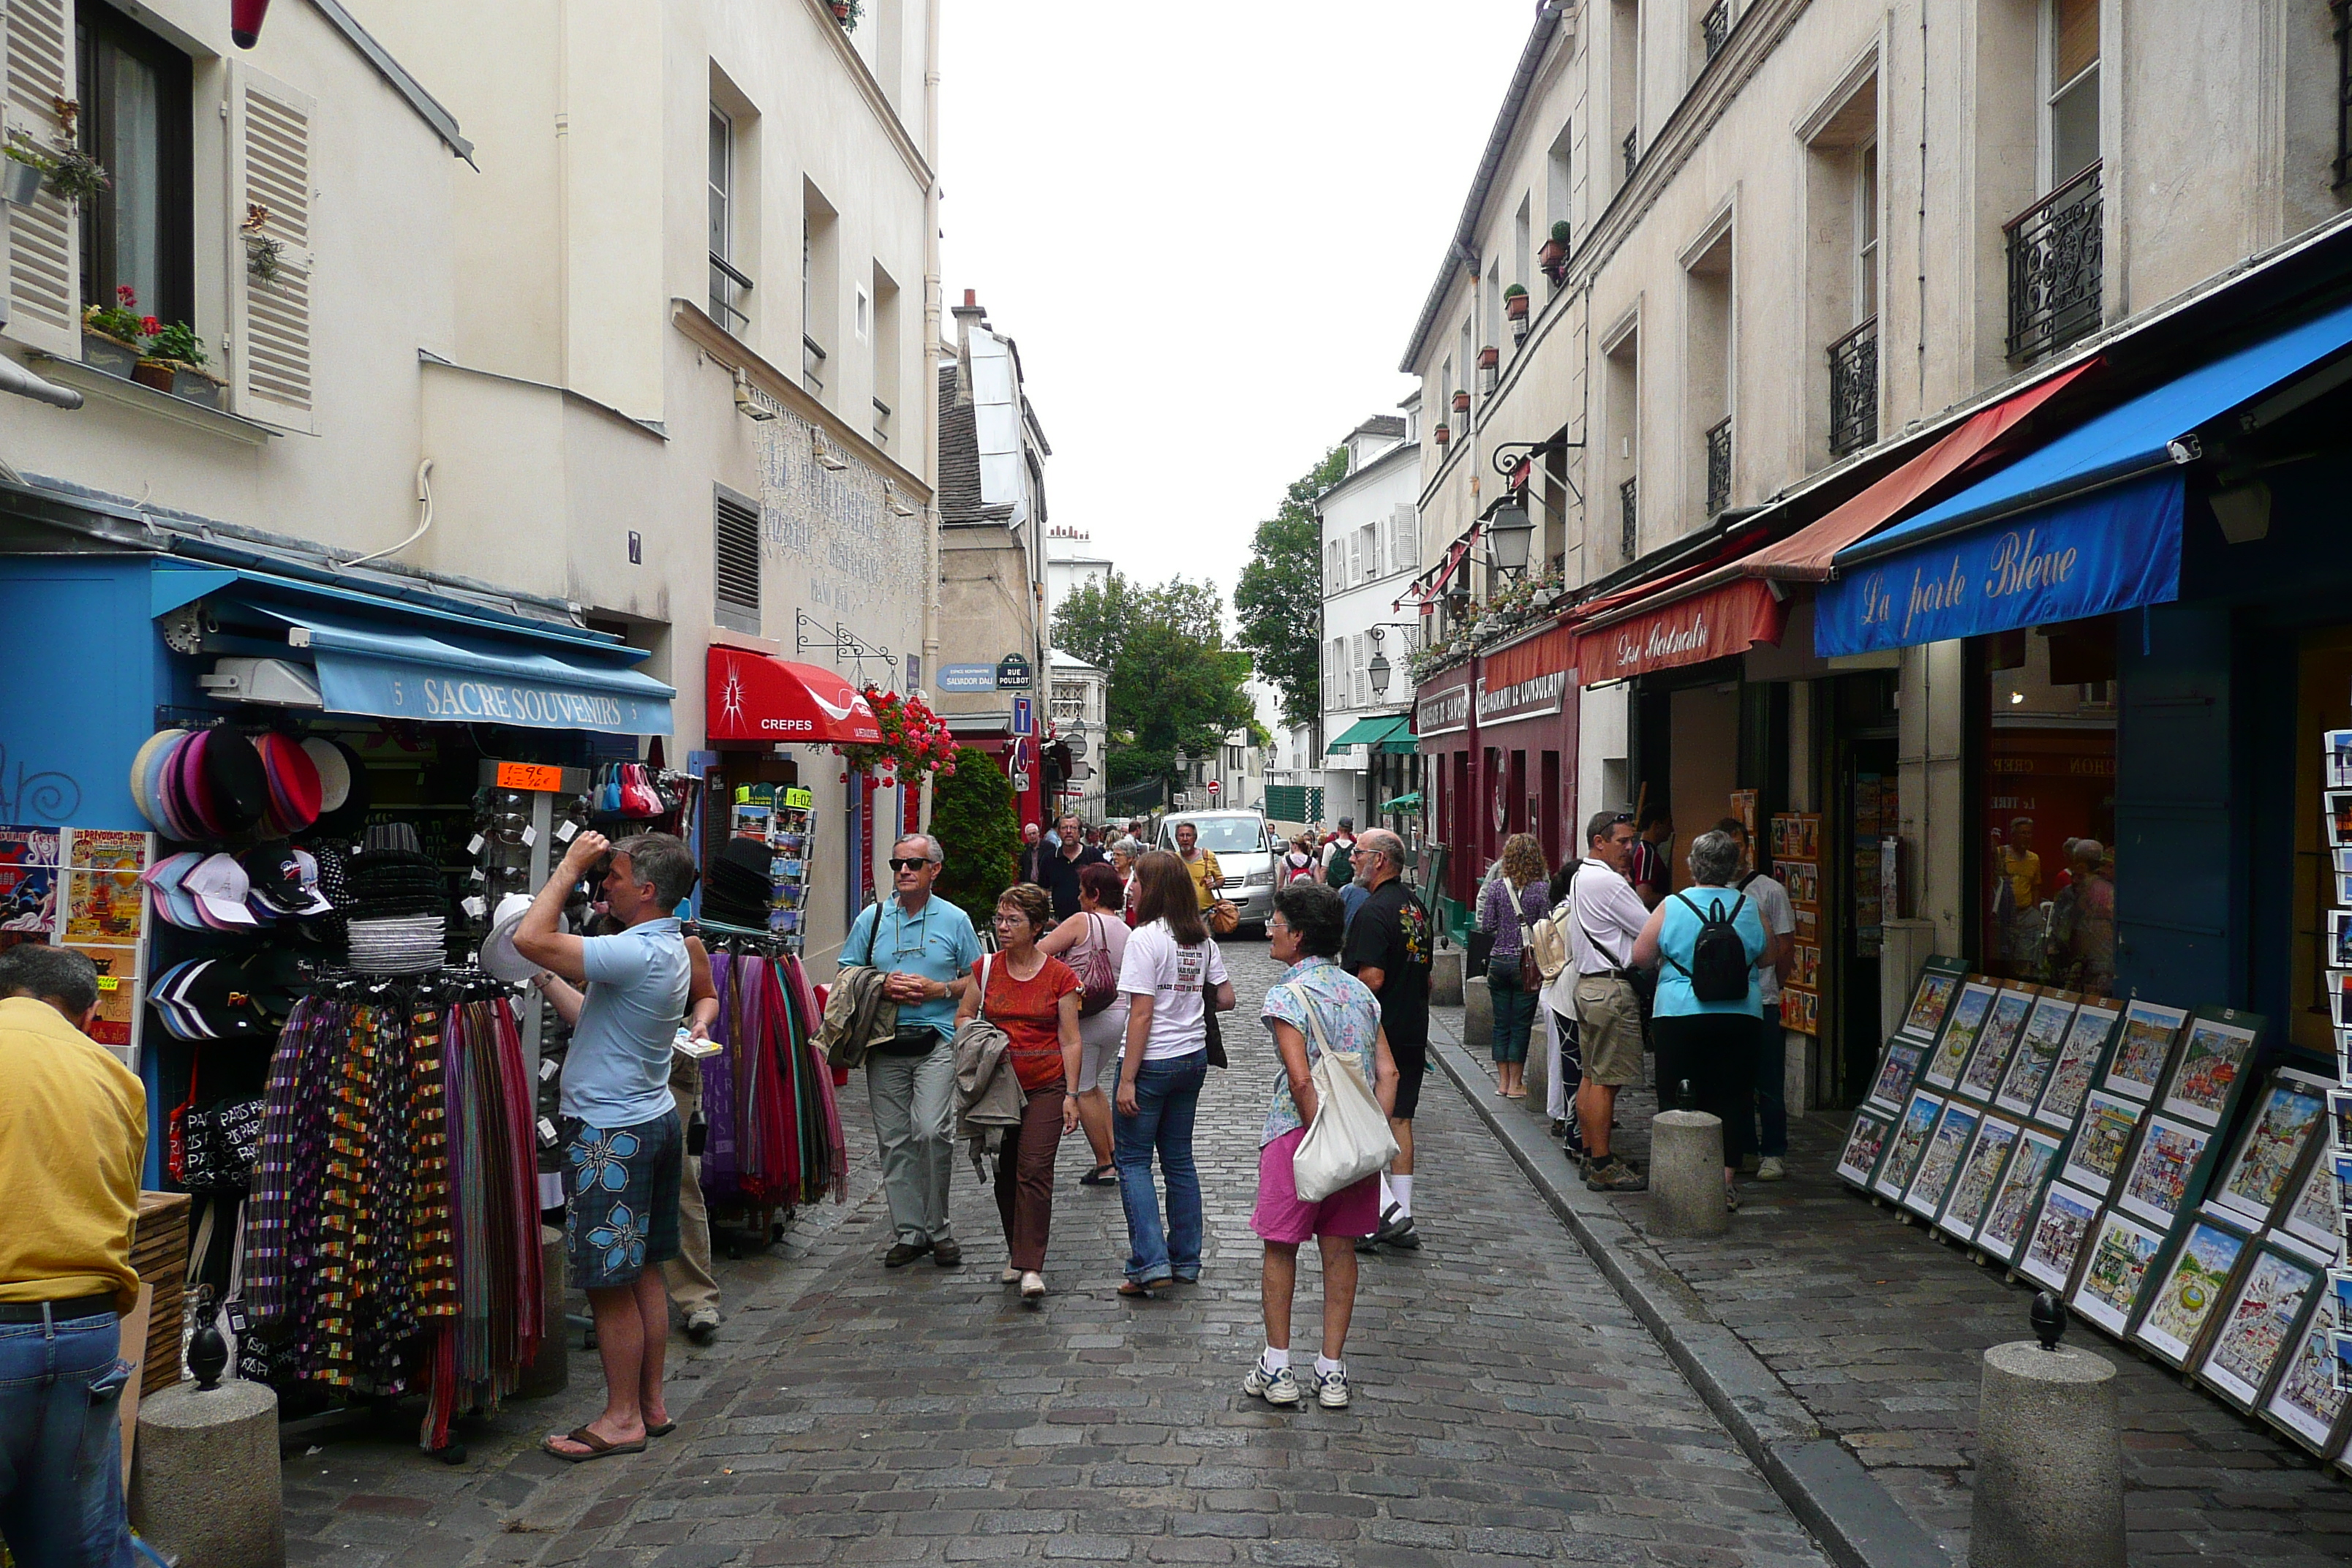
915, 865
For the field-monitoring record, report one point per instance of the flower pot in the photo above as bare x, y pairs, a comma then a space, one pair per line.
841, 10
111, 355
1461, 402
19, 183
1552, 252
196, 385
154, 373
1488, 358
1515, 306
1441, 433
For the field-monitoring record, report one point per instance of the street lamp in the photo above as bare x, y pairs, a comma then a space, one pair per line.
1378, 671
1509, 535
1180, 761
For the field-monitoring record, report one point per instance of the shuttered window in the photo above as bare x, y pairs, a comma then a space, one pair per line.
270, 196
139, 233
735, 562
44, 241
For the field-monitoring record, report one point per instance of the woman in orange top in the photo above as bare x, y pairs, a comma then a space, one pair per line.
1033, 998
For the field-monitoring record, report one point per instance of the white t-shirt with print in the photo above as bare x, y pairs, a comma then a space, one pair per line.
1174, 977
1771, 901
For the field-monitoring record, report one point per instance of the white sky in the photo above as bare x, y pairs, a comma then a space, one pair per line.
1209, 228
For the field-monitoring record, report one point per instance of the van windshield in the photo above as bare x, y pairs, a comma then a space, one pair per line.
1228, 835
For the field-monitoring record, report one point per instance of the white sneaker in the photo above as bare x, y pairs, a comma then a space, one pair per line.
1331, 1389
1273, 1387
1772, 1169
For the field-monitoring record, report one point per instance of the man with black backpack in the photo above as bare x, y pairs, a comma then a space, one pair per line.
1706, 942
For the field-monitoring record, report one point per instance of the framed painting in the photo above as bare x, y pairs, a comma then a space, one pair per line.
2210, 1067
2309, 1400
2036, 1054
2061, 1226
1939, 981
1898, 1069
2115, 1270
2077, 1067
1865, 1138
2339, 1120
2191, 1284
2143, 1046
1980, 1169
2315, 1214
2279, 1140
1907, 1144
2017, 1196
2167, 1170
2102, 1142
1962, 1026
1955, 1130
1980, 1076
2261, 1321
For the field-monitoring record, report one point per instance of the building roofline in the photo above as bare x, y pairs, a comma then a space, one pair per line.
428, 108
1393, 455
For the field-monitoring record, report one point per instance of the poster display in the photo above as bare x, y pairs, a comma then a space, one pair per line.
1796, 844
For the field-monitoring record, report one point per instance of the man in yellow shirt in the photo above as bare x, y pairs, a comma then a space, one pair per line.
73, 1133
1202, 863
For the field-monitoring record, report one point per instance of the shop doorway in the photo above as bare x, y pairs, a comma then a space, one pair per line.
1862, 810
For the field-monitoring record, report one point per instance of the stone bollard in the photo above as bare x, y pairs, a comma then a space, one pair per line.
203, 1481
1477, 1015
550, 1372
2049, 1489
1445, 977
1539, 1060
1686, 1175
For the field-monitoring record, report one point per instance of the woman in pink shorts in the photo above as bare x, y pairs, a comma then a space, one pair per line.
1305, 932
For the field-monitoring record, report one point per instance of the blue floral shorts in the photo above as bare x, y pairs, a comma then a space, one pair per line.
622, 1184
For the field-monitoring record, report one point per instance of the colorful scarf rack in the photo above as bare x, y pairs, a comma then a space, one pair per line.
392, 1241
774, 1138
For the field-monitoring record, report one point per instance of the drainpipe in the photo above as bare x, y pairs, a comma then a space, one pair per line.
932, 286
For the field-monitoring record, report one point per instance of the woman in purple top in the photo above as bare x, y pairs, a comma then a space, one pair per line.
1517, 898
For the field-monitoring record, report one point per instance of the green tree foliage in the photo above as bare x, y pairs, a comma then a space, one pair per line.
1174, 686
1279, 599
972, 816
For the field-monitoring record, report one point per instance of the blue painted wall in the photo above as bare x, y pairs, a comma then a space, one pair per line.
85, 671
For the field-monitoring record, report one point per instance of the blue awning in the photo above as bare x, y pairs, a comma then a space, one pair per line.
2084, 526
448, 676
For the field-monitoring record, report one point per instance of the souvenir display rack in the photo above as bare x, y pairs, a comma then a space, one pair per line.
784, 817
1796, 845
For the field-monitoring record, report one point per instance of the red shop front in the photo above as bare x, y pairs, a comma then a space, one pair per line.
1447, 727
1525, 705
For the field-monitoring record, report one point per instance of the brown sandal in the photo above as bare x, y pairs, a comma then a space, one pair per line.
598, 1447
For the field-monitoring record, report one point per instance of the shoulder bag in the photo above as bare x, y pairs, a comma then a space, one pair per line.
1350, 1138
1098, 975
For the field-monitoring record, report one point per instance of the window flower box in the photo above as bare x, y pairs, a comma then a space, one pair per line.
197, 386
109, 353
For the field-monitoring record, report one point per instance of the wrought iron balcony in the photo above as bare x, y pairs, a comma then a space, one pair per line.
1854, 389
1716, 26
1718, 467
727, 285
2054, 260
1632, 150
812, 365
1629, 531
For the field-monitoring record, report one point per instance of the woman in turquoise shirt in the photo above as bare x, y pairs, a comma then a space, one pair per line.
1710, 1045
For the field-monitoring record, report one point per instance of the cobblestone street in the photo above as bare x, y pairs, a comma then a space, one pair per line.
1507, 1404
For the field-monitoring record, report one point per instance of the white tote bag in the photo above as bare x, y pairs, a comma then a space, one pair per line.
1350, 1138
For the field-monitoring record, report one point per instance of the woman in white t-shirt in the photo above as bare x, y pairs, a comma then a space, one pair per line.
1098, 927
1172, 974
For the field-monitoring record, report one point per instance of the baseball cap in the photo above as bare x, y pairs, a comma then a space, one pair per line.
173, 903
223, 1001
236, 785
177, 1017
277, 883
220, 888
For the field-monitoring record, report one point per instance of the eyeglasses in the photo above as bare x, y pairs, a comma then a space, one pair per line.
1276, 924
1009, 920
908, 864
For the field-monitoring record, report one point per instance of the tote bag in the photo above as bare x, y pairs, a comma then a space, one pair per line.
1350, 1138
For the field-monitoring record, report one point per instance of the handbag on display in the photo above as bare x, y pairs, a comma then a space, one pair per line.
1350, 1138
1097, 976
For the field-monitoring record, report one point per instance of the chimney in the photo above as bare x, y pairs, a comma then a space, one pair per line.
967, 315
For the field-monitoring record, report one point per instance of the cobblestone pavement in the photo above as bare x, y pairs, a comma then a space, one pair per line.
1507, 1404
1878, 1329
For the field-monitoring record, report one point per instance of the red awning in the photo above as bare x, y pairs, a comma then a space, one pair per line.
752, 695
1691, 630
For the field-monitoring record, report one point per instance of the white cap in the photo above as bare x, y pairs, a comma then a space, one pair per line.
499, 959
220, 888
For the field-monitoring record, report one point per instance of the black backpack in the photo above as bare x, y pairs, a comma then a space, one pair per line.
1342, 870
1718, 965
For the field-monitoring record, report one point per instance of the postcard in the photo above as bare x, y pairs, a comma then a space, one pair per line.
2336, 806
2335, 749
2339, 939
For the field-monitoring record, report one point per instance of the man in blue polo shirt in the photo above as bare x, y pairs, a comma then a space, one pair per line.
928, 946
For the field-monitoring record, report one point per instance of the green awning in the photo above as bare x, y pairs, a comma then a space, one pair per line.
1370, 732
1401, 743
1402, 804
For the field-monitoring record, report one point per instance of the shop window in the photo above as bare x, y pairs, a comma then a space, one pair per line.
735, 533
2046, 793
139, 234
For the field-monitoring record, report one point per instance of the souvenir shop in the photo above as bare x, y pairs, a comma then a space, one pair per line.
2132, 1086
285, 815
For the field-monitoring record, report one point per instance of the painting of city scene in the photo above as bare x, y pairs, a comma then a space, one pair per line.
1902, 1161
1971, 1193
2137, 1066
2078, 1064
2121, 1252
1929, 1004
2272, 1152
1896, 1072
2191, 1289
2037, 1052
2258, 1321
2163, 1170
1952, 1136
2307, 1400
2318, 1206
1982, 1076
1864, 1140
1960, 1033
2211, 1057
2018, 1194
2058, 1234
2102, 1142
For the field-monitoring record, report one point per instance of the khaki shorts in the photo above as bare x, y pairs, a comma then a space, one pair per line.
1609, 1023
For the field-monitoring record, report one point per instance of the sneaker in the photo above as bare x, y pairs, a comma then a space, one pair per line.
702, 1325
906, 1252
1273, 1387
1559, 1126
1331, 1389
1731, 1200
1770, 1168
1397, 1231
947, 1253
1613, 1176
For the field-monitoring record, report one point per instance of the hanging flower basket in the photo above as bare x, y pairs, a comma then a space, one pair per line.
1442, 434
1489, 357
914, 741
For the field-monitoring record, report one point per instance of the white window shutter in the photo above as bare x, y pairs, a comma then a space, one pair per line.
1408, 527
270, 159
1356, 556
44, 239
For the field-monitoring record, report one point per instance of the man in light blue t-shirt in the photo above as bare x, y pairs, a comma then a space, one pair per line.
623, 1144
928, 946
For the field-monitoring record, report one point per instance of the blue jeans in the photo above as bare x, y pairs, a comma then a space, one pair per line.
1515, 1012
1772, 1085
61, 1443
1167, 1093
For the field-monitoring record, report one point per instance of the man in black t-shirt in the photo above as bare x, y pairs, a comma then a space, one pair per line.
1388, 948
1060, 875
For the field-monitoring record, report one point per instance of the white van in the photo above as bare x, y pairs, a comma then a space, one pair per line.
1246, 850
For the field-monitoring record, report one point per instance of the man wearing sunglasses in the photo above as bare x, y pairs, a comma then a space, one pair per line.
927, 945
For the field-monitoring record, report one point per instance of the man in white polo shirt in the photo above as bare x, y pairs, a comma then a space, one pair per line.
1607, 917
1779, 918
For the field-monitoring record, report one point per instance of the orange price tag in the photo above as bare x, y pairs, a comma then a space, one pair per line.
531, 775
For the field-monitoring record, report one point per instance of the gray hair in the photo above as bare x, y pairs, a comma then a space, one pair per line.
1713, 858
1130, 846
932, 850
663, 862
1381, 841
58, 975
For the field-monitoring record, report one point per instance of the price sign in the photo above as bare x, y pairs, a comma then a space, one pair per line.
541, 777
799, 799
